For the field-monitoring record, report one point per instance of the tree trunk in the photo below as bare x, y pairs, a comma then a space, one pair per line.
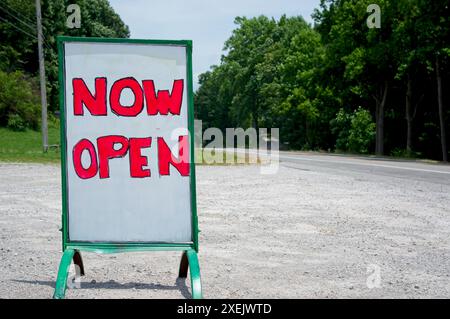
255, 113
409, 115
441, 111
255, 120
379, 117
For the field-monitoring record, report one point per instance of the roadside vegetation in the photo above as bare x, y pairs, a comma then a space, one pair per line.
20, 110
339, 85
26, 145
334, 86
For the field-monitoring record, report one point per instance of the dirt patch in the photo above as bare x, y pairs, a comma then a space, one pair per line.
296, 234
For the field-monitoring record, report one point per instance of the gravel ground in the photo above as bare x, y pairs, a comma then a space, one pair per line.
296, 234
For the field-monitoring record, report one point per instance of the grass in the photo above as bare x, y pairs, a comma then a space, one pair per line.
27, 146
238, 159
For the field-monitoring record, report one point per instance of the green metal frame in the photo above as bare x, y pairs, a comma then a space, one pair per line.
71, 249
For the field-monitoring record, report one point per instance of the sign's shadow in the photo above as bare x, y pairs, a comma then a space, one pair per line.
180, 284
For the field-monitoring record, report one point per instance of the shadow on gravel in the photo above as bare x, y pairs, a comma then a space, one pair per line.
180, 284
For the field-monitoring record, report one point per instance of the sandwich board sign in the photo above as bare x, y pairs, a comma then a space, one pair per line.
127, 150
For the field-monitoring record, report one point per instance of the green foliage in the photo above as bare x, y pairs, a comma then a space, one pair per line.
362, 131
18, 49
19, 106
269, 78
279, 72
340, 126
286, 74
26, 146
16, 123
363, 63
355, 132
98, 19
402, 153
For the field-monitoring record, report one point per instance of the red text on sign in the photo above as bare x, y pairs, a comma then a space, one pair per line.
116, 147
162, 102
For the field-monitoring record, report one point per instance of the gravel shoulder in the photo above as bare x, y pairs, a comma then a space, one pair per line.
300, 233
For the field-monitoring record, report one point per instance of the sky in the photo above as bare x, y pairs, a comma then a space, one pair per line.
208, 23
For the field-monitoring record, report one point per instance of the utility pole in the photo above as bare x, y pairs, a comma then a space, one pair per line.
42, 77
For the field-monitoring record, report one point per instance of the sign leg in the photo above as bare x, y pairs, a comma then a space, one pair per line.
194, 268
61, 281
184, 264
189, 259
77, 260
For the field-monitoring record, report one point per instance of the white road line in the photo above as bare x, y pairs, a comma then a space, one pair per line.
281, 156
364, 164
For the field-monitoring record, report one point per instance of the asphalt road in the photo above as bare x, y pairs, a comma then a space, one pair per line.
321, 226
407, 169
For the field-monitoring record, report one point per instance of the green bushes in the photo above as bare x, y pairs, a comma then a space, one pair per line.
355, 132
16, 123
19, 102
340, 127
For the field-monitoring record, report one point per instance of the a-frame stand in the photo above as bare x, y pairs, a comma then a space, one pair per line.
72, 249
189, 260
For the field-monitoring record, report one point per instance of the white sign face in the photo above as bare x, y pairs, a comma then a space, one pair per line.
127, 144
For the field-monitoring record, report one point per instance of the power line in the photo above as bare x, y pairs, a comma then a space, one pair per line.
33, 24
47, 45
18, 13
16, 27
32, 27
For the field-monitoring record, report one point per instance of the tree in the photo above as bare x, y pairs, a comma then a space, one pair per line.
268, 77
98, 19
18, 46
434, 31
246, 48
19, 104
284, 73
362, 55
